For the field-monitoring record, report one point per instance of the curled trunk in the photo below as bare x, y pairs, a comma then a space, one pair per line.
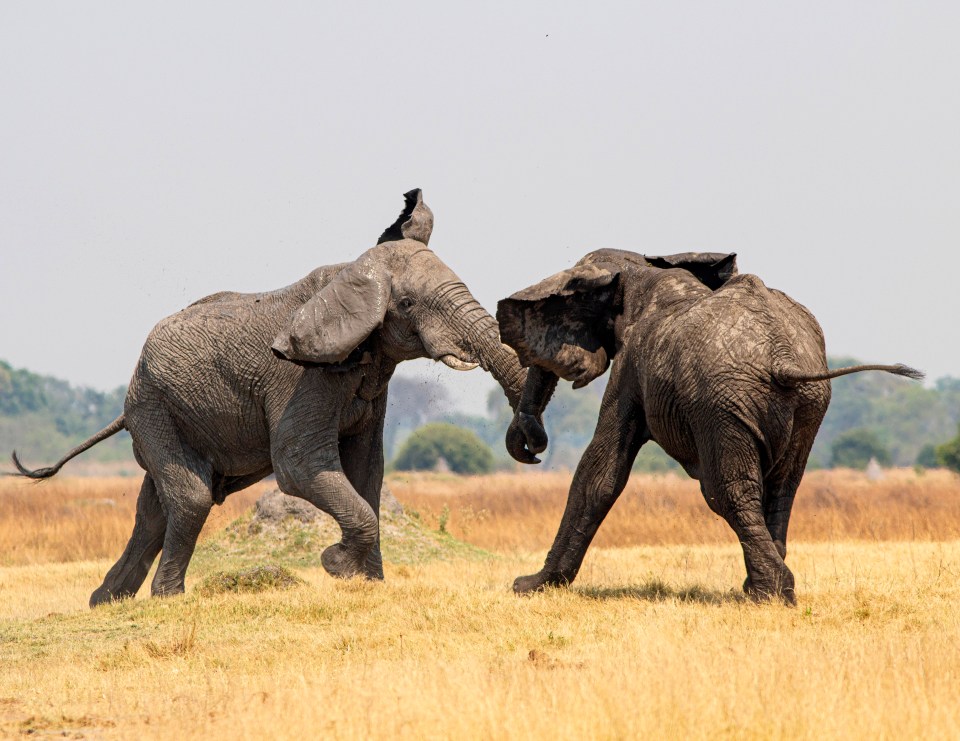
526, 436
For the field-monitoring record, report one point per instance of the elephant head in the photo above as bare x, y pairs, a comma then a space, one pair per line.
401, 298
570, 326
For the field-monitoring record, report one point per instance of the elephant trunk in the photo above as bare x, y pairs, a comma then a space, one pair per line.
476, 331
526, 435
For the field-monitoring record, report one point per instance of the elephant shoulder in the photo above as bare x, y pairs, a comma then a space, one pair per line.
744, 282
214, 298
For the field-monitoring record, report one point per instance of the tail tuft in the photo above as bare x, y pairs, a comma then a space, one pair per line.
37, 474
905, 370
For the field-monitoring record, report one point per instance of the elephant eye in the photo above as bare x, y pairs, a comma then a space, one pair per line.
405, 304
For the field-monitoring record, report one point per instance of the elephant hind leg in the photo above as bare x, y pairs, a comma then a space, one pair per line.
780, 486
185, 489
128, 573
184, 482
732, 487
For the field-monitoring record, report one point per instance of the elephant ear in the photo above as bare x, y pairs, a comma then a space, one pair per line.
332, 324
415, 221
564, 323
713, 269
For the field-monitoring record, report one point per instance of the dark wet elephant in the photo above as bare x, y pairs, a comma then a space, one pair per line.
728, 376
215, 403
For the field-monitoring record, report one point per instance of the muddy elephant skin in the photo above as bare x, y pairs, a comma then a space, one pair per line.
727, 375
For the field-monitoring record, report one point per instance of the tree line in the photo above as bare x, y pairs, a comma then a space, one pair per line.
871, 415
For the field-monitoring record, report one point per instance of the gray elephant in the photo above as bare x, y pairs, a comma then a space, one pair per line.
215, 404
728, 376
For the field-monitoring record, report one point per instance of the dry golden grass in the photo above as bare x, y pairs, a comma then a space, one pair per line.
652, 641
69, 519
73, 519
522, 511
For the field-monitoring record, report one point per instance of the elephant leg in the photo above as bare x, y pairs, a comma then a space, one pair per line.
778, 502
331, 492
362, 459
185, 491
183, 481
127, 574
313, 472
782, 484
600, 478
731, 485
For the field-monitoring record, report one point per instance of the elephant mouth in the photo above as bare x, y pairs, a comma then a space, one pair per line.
452, 361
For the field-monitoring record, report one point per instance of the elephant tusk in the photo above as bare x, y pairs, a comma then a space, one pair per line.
452, 361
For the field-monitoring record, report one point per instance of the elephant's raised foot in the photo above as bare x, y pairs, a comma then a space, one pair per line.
536, 583
342, 563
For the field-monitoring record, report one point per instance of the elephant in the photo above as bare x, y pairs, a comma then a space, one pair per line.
727, 375
292, 382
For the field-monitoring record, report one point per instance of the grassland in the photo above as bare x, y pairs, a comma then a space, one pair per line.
653, 640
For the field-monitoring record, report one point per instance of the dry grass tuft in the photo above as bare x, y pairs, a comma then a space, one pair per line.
248, 581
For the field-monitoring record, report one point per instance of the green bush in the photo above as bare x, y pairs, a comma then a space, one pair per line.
463, 451
948, 454
855, 448
927, 457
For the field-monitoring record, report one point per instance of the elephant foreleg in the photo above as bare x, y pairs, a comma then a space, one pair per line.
362, 459
600, 478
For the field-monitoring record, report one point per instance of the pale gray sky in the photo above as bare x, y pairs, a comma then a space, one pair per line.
153, 154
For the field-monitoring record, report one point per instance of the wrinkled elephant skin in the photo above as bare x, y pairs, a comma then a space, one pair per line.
728, 376
291, 382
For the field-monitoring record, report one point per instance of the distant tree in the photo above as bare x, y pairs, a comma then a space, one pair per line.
927, 457
411, 403
905, 415
20, 391
948, 454
463, 451
855, 448
42, 417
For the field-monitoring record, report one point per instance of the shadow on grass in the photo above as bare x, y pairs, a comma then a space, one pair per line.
658, 591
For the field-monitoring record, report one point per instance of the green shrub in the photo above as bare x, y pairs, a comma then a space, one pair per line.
463, 451
948, 454
855, 448
927, 457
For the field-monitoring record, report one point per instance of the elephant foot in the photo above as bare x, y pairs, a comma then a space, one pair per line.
373, 567
166, 590
781, 587
339, 562
536, 583
103, 596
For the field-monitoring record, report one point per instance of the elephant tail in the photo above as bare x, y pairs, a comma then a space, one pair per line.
792, 378
44, 473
